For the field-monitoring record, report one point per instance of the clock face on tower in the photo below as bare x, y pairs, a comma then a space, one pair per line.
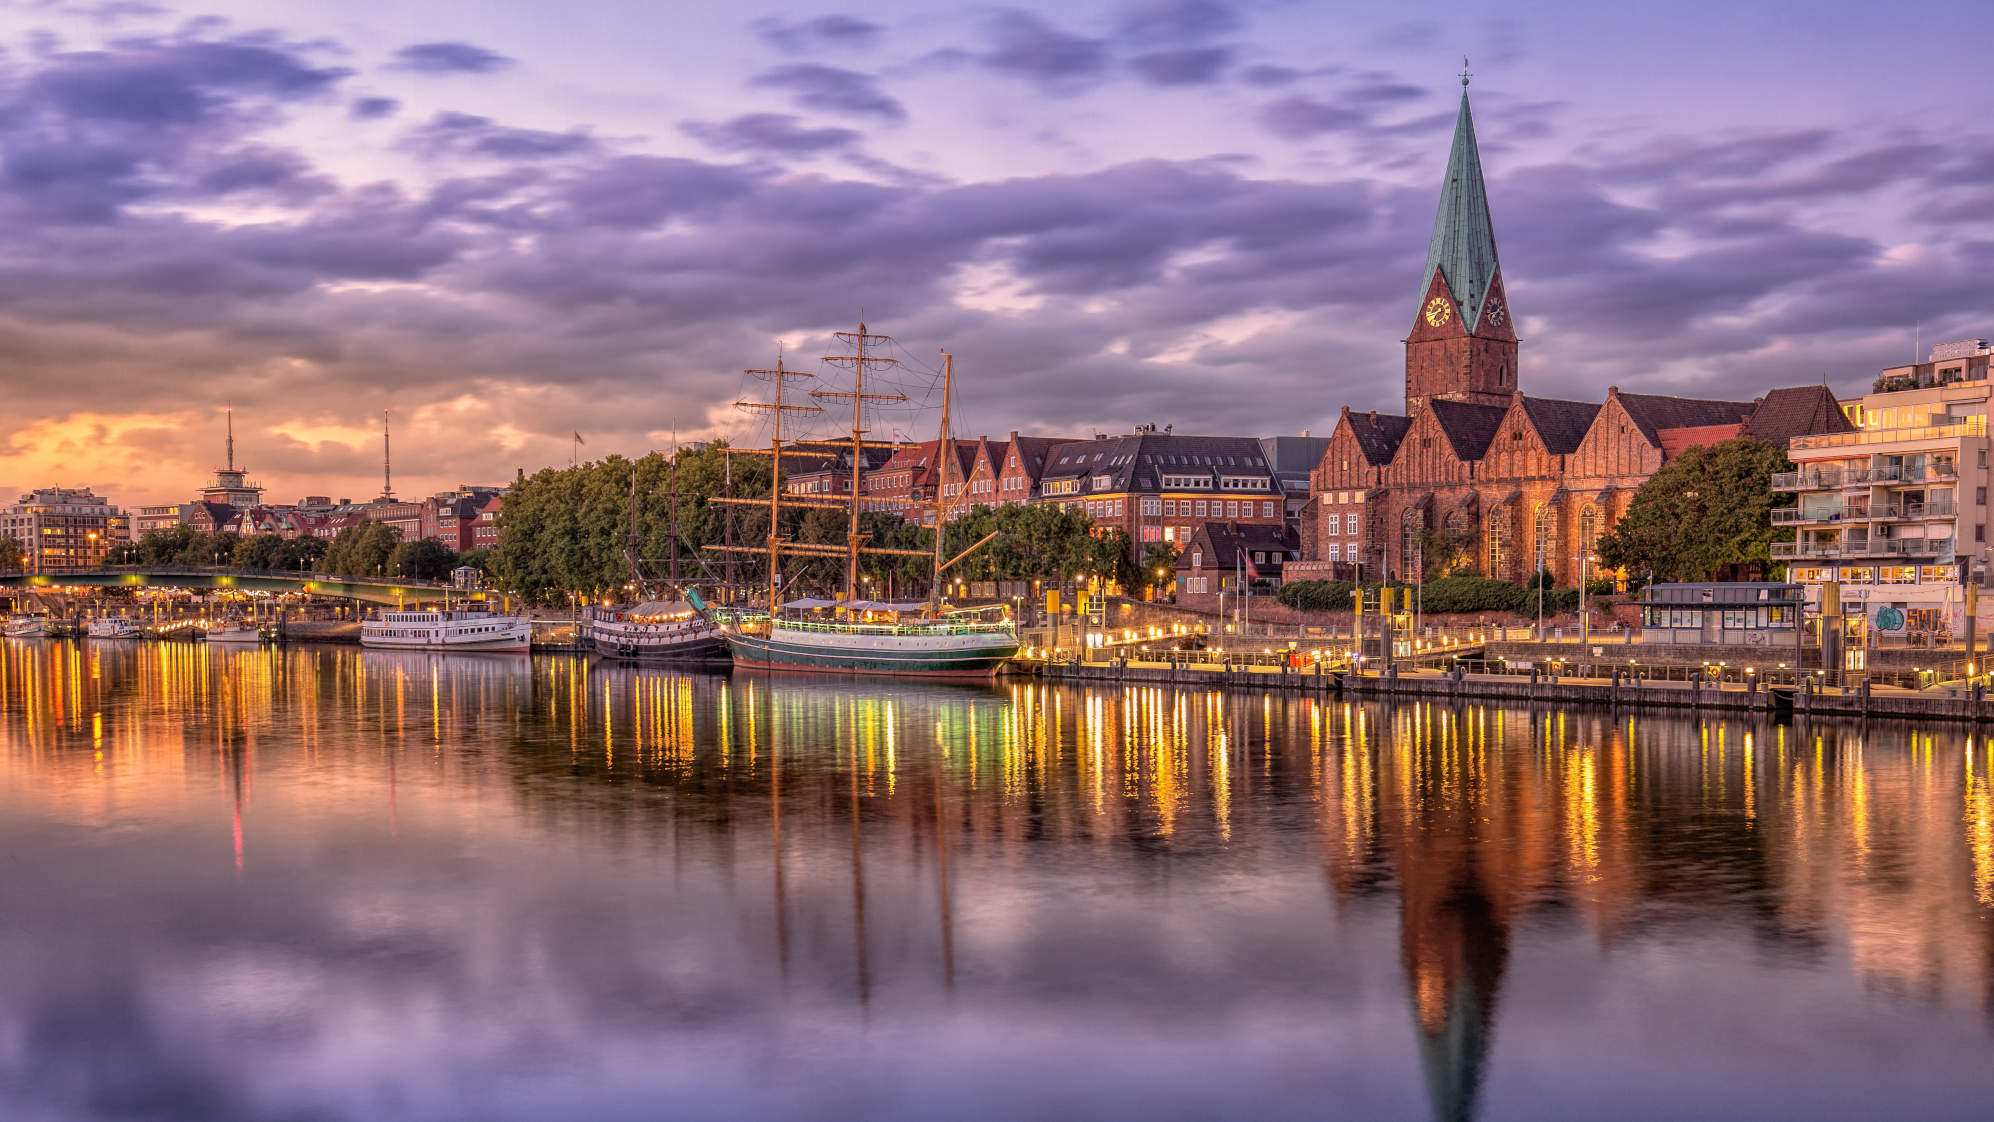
1438, 310
1495, 312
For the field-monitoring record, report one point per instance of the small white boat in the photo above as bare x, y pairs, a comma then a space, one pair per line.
27, 625
447, 631
112, 627
235, 631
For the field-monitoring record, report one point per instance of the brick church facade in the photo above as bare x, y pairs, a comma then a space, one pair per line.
1507, 478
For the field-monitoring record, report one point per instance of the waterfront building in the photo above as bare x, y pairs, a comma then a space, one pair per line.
164, 516
453, 517
61, 529
1221, 558
1157, 486
1733, 614
1294, 460
1500, 479
905, 483
231, 486
1896, 510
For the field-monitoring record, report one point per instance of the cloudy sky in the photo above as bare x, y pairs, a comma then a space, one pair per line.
508, 220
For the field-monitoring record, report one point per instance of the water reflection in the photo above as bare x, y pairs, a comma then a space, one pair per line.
344, 884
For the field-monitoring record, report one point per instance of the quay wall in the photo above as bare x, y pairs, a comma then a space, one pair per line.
1948, 705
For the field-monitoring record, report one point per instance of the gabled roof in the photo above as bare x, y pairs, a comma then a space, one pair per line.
1562, 424
1675, 442
1221, 542
1796, 411
1033, 451
1463, 243
1469, 427
1652, 413
1378, 434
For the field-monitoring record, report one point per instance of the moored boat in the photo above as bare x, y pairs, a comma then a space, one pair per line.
454, 630
234, 631
869, 638
858, 636
27, 625
656, 631
112, 627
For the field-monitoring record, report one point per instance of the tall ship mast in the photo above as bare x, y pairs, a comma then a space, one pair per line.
854, 636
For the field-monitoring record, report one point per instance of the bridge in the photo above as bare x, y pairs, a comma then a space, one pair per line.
378, 591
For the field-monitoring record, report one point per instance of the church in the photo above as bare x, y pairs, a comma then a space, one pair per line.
1500, 479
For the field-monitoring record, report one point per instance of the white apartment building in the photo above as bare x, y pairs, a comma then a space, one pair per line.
1897, 511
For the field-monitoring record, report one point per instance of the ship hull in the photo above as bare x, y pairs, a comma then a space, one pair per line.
910, 660
709, 650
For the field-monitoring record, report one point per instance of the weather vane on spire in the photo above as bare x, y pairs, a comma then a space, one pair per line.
1465, 72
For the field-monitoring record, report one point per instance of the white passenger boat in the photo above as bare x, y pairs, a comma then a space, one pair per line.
27, 625
456, 630
112, 627
235, 631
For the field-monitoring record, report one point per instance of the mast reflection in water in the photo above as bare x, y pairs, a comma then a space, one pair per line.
336, 884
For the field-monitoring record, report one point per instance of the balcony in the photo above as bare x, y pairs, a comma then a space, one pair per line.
1919, 547
1822, 479
1930, 508
1813, 552
1972, 426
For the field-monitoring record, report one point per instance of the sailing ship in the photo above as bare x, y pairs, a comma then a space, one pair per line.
656, 631
661, 631
855, 636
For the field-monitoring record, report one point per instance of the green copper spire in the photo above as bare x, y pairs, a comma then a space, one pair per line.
1463, 245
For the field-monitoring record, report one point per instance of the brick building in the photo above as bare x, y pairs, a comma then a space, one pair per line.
1158, 487
1476, 467
1221, 556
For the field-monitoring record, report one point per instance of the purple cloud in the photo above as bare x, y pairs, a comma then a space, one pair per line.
777, 133
1024, 46
832, 90
1182, 66
373, 108
829, 32
448, 58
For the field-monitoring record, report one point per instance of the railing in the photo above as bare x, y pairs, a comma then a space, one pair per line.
1918, 547
1976, 426
1931, 508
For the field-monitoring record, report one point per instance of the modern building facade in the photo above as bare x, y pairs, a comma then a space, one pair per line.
1896, 511
61, 529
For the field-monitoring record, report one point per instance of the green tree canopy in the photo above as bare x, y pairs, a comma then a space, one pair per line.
422, 559
12, 558
362, 550
1708, 509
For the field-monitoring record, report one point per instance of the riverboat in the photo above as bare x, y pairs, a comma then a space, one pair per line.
27, 625
655, 631
455, 630
852, 635
235, 631
112, 627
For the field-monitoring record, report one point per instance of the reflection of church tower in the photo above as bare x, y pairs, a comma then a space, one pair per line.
1463, 345
1455, 942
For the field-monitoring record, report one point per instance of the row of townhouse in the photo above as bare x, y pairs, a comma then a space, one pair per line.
462, 519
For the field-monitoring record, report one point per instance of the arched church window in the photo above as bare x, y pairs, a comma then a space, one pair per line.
1547, 538
1496, 540
1588, 528
1411, 551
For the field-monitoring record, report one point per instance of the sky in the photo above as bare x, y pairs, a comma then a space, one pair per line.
510, 222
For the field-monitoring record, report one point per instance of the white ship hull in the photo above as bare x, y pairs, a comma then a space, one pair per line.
240, 635
112, 628
447, 632
27, 629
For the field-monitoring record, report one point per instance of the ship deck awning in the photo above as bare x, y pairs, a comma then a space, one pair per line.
898, 606
811, 603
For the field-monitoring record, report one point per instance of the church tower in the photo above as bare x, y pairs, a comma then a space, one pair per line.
1463, 342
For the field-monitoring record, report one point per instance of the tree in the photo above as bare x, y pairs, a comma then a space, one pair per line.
1159, 565
422, 559
1445, 552
362, 549
1708, 510
13, 558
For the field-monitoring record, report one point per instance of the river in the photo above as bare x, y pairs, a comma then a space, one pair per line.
325, 884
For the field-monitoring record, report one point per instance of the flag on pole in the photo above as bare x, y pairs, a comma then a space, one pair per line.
579, 440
